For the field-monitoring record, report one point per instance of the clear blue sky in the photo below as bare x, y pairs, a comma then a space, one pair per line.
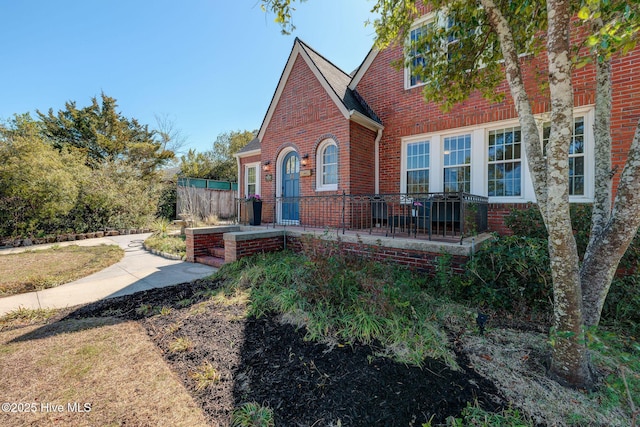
211, 66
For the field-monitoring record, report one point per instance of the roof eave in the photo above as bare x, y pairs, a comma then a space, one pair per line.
362, 69
248, 153
365, 121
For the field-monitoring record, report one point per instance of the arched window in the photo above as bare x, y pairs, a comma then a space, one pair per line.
327, 172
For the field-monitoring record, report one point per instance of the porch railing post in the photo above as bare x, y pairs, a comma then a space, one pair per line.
344, 201
463, 216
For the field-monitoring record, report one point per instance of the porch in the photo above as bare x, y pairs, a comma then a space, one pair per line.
222, 244
440, 217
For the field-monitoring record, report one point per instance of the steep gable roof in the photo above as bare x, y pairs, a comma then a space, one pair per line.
363, 68
333, 80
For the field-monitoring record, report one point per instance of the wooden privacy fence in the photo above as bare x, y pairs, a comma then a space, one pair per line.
201, 199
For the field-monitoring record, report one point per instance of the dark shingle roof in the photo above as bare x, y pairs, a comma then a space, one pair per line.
254, 144
339, 81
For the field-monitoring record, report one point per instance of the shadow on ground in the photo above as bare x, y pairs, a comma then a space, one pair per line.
268, 362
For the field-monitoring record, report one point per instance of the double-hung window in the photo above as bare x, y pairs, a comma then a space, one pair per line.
417, 60
251, 179
576, 156
505, 164
457, 163
417, 168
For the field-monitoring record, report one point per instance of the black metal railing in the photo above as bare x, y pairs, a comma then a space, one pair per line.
421, 215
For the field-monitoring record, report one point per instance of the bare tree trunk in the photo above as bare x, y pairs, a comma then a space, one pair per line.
530, 134
602, 135
570, 364
570, 359
606, 249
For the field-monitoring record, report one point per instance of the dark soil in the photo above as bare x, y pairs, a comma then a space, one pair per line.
305, 383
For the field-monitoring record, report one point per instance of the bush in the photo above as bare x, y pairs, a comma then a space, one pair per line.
37, 186
621, 310
512, 273
113, 195
168, 200
528, 223
622, 306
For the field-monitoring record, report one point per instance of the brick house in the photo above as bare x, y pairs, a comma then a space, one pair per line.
328, 133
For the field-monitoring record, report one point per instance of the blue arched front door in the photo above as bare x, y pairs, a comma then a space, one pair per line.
290, 187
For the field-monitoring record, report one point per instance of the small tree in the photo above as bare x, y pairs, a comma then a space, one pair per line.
105, 135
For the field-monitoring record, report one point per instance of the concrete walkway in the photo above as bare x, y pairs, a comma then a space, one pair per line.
138, 270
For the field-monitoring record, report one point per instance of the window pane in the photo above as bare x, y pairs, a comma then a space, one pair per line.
457, 160
330, 165
330, 175
418, 181
418, 167
504, 178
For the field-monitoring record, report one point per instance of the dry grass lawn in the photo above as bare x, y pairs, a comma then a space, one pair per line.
35, 270
111, 366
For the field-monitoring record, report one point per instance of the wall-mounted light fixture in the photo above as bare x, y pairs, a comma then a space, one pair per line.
266, 164
305, 160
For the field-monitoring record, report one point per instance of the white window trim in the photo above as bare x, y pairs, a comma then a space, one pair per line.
479, 158
403, 159
424, 20
246, 178
320, 165
588, 113
471, 162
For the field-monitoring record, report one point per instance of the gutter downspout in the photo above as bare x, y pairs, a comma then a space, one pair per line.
377, 161
238, 193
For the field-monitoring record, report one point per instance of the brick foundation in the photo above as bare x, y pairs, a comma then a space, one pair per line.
239, 243
199, 240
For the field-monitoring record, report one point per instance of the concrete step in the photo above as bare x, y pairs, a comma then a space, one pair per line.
217, 252
210, 261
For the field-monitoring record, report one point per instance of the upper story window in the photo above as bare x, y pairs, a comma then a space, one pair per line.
327, 167
504, 151
416, 50
457, 163
416, 55
576, 155
452, 40
435, 37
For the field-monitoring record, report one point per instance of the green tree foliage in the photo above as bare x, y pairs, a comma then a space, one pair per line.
112, 196
196, 165
105, 135
80, 170
219, 162
224, 150
38, 183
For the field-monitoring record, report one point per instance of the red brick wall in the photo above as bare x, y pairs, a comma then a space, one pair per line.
234, 250
199, 244
362, 144
304, 115
416, 259
405, 113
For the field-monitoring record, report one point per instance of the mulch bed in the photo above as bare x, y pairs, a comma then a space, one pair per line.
305, 383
